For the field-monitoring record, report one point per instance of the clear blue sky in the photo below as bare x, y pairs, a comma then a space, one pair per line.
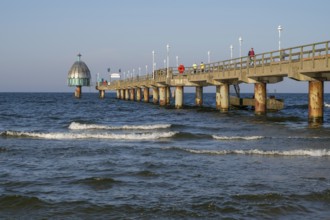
40, 39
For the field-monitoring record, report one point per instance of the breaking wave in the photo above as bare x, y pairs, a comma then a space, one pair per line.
61, 136
80, 126
307, 152
247, 138
326, 105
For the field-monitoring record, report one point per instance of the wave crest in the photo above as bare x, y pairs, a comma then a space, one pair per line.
80, 126
247, 138
307, 152
61, 136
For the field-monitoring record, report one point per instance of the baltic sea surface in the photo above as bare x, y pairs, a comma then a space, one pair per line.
67, 158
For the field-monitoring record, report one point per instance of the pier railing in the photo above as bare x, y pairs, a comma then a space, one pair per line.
294, 54
299, 54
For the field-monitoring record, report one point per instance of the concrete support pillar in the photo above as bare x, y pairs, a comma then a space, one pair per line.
168, 95
101, 94
224, 98
138, 94
122, 94
162, 96
217, 98
315, 101
118, 93
126, 94
155, 95
179, 93
146, 94
199, 96
260, 98
77, 92
132, 94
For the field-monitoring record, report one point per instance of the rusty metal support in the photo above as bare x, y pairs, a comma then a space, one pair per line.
146, 94
179, 93
315, 101
199, 96
260, 98
155, 95
77, 92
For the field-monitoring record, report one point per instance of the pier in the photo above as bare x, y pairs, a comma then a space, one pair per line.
302, 63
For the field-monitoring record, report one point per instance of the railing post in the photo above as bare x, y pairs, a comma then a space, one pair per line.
263, 60
290, 55
327, 54
301, 57
271, 61
313, 58
235, 61
240, 66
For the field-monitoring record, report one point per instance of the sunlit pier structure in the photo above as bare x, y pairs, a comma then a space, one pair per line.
302, 63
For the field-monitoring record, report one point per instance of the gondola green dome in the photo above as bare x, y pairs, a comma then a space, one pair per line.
79, 74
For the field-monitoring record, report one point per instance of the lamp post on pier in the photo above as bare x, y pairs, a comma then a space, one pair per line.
279, 28
231, 53
109, 73
168, 60
153, 64
208, 56
240, 46
177, 61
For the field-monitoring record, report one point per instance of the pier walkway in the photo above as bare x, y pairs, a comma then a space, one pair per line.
302, 63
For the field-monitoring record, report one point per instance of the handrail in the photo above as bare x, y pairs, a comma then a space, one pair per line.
293, 54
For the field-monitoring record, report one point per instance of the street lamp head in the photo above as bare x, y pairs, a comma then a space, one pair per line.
279, 28
240, 39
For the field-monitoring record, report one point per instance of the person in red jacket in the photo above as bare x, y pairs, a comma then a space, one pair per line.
251, 55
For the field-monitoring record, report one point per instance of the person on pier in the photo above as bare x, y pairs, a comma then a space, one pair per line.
251, 55
195, 67
202, 67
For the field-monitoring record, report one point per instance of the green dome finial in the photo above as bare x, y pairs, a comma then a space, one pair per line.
79, 56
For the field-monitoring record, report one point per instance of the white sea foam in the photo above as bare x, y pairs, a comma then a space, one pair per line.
301, 152
80, 126
326, 105
62, 136
247, 138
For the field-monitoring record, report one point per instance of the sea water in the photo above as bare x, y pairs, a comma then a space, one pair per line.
66, 158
